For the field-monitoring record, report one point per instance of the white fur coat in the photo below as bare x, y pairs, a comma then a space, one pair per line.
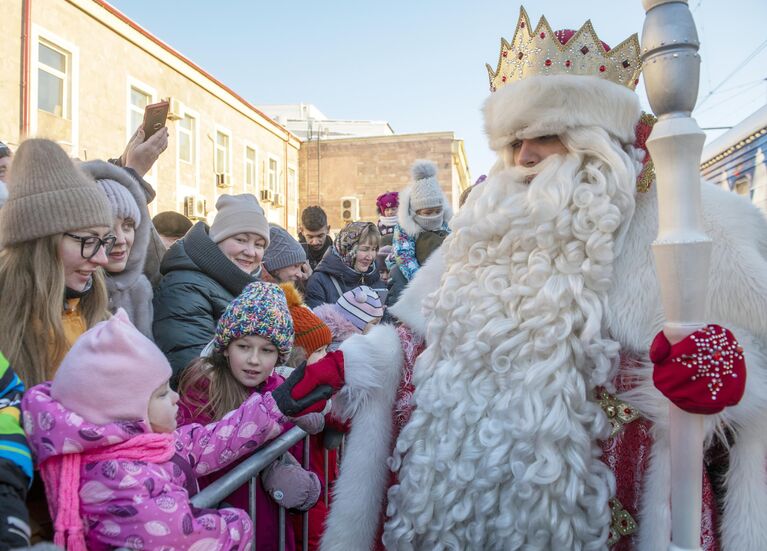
738, 300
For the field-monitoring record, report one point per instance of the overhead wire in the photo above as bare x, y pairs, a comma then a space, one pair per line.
745, 62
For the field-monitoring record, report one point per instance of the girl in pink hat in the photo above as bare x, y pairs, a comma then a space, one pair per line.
387, 205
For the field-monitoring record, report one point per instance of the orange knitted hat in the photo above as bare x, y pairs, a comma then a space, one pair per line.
311, 331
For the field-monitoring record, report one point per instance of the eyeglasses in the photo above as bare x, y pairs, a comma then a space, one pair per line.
90, 244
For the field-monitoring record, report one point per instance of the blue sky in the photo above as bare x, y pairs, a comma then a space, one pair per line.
420, 64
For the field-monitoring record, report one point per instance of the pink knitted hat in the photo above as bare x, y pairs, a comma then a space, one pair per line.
110, 373
387, 200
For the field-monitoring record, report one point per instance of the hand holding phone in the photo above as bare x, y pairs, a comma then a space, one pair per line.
155, 116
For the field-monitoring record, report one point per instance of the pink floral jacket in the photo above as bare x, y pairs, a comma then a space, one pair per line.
140, 505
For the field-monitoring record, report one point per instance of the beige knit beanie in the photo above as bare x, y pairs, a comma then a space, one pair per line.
49, 195
238, 214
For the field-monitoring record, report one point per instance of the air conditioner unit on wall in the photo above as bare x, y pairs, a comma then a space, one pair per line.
279, 200
350, 209
175, 109
195, 207
267, 196
222, 180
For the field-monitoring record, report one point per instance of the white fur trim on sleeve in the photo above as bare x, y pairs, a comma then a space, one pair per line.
373, 364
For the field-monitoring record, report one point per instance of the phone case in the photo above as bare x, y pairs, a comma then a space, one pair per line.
155, 116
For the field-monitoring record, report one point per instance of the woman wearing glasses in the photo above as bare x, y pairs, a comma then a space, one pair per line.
55, 234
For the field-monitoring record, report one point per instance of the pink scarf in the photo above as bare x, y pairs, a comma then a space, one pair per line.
61, 475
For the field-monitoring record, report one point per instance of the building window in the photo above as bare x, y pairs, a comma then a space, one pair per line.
272, 175
53, 66
221, 161
250, 170
186, 133
139, 99
291, 180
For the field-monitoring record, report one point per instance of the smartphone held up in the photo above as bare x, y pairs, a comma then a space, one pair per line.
155, 116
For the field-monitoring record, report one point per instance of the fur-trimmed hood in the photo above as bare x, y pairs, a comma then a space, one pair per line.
101, 170
551, 104
130, 289
405, 215
339, 326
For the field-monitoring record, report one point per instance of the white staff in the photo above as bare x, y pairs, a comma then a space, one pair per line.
682, 250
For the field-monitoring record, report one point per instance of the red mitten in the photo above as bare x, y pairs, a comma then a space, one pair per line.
703, 373
327, 371
308, 387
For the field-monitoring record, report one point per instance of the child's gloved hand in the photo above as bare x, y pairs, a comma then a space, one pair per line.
309, 386
311, 423
290, 485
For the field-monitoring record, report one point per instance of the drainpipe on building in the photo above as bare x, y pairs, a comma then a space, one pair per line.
26, 25
285, 184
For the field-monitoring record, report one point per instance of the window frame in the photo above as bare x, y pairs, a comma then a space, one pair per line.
193, 135
64, 77
225, 131
268, 183
144, 88
72, 91
245, 185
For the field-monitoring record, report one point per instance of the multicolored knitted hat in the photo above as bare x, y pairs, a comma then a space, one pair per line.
360, 306
311, 332
348, 239
261, 309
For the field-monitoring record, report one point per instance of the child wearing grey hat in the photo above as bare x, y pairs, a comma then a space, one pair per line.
423, 208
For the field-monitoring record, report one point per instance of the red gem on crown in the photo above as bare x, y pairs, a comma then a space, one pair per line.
505, 53
543, 35
602, 68
548, 63
567, 63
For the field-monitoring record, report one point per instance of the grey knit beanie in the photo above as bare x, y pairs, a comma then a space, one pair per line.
283, 250
426, 192
238, 214
49, 195
123, 203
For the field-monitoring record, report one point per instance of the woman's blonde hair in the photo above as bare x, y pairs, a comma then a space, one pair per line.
33, 290
224, 392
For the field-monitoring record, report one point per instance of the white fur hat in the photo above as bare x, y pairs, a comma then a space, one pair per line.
542, 105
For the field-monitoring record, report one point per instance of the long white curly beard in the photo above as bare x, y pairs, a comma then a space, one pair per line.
501, 451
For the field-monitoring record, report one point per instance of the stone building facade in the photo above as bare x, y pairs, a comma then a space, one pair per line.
344, 176
81, 72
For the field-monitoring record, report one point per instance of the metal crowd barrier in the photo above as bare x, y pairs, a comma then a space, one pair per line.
247, 472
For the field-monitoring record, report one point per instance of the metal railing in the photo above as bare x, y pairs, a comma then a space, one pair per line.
247, 473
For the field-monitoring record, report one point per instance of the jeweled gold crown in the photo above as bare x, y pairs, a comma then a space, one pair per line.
545, 52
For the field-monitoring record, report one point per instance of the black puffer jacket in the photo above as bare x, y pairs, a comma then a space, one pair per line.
320, 288
198, 284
